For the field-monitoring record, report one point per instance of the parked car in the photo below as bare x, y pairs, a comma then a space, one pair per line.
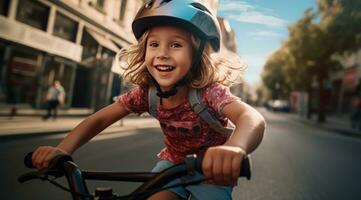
281, 105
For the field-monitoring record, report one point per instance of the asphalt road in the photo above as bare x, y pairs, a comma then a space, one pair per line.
295, 161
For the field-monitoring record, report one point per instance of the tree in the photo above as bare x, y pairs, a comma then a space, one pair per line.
304, 62
273, 76
341, 19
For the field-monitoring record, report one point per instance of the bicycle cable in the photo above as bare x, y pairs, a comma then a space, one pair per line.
52, 181
182, 183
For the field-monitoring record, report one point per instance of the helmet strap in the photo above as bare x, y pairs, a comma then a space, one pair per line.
183, 81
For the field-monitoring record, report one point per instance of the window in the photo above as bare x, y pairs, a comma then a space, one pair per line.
100, 4
90, 46
4, 7
65, 27
123, 5
22, 77
33, 13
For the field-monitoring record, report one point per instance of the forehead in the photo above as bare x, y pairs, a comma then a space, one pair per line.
171, 31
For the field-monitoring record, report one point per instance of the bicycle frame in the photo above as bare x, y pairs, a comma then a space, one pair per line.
152, 182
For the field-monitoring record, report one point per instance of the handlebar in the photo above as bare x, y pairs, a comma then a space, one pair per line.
153, 182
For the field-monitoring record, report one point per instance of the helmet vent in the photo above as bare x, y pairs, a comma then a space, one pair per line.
200, 7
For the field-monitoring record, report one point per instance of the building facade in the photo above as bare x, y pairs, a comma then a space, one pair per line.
229, 47
346, 83
73, 41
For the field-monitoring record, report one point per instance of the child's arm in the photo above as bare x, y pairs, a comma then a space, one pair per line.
222, 163
81, 134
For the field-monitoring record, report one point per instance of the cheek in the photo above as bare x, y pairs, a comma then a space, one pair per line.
148, 59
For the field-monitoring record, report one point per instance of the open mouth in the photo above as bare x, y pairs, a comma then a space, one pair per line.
164, 68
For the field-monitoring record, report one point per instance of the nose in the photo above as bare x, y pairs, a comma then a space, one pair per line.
162, 52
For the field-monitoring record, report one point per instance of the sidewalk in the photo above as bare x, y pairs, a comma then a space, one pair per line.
334, 123
20, 126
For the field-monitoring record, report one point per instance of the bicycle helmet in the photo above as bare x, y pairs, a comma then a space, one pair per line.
190, 15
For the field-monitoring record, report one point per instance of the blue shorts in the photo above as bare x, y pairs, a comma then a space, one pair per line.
200, 191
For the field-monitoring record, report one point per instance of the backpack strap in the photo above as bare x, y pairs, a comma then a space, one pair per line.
152, 101
202, 110
197, 105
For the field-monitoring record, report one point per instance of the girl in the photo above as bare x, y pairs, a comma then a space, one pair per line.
175, 39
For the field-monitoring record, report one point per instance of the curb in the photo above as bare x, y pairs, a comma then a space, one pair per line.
109, 130
340, 131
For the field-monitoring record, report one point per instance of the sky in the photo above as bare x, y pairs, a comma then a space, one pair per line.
260, 27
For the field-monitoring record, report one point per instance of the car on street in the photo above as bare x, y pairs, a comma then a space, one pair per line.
281, 105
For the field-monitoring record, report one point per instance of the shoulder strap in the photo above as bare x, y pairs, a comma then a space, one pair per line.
152, 101
202, 110
197, 105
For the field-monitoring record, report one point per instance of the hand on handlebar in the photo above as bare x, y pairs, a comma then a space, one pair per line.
44, 154
222, 164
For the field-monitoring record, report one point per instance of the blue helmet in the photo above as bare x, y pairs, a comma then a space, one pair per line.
190, 15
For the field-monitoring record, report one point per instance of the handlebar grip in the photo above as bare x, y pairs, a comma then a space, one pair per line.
246, 167
28, 160
56, 162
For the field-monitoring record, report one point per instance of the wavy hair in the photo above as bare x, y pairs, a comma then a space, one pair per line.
225, 67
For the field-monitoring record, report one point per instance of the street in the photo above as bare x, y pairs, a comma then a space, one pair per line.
295, 161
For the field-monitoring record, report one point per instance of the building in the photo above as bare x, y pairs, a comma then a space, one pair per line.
346, 83
229, 48
74, 41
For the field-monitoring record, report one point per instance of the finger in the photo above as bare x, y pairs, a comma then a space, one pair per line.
236, 167
51, 152
227, 171
34, 156
207, 166
217, 170
37, 157
40, 158
43, 159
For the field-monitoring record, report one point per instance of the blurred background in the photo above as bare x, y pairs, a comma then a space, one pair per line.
305, 80
314, 64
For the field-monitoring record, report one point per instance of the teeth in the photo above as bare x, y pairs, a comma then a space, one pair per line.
164, 67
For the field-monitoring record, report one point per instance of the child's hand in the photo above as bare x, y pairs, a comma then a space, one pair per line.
222, 164
44, 154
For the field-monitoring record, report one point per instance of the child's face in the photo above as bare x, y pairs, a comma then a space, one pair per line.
168, 54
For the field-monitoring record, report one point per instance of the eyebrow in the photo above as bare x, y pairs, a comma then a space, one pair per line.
173, 36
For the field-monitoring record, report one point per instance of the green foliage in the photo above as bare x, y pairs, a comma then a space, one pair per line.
341, 19
307, 53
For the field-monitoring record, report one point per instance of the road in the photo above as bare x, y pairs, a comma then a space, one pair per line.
295, 161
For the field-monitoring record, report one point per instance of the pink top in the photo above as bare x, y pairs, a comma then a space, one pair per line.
184, 131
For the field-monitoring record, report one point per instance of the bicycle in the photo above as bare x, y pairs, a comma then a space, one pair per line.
63, 165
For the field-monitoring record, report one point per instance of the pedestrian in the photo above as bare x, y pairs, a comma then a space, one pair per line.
173, 55
55, 97
355, 116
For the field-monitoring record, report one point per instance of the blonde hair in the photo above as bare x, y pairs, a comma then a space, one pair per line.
214, 67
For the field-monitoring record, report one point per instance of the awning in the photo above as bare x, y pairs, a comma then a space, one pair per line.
117, 66
121, 43
103, 41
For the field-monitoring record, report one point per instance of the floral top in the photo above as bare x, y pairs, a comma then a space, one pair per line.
184, 131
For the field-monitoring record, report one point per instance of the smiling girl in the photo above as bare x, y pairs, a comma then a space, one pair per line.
173, 54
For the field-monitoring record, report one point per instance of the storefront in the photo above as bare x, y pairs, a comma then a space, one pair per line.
44, 41
31, 60
21, 75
